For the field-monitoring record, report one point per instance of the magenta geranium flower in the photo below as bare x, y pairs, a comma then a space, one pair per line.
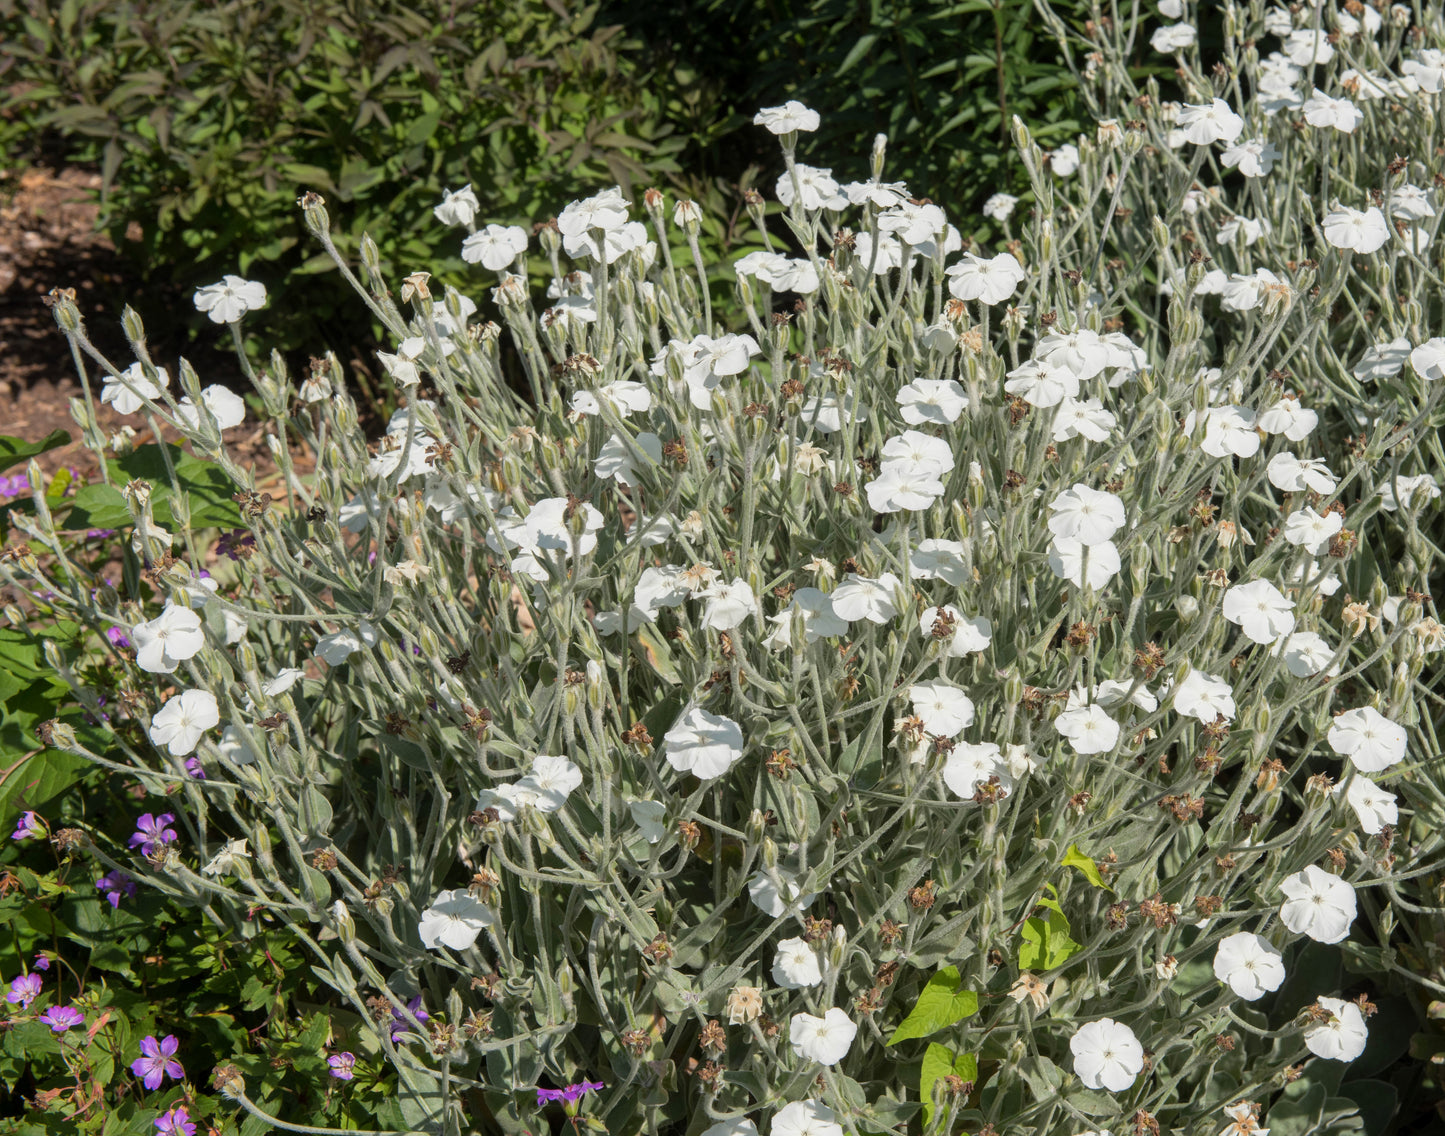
151, 833
177, 1122
158, 1061
400, 1026
342, 1065
24, 990
29, 827
62, 1018
115, 885
569, 1094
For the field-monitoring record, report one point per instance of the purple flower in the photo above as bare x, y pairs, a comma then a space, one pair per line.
98, 534
62, 1018
151, 833
42, 962
117, 636
24, 990
400, 1026
14, 486
177, 1122
115, 885
231, 544
193, 767
158, 1061
569, 1094
341, 1065
29, 827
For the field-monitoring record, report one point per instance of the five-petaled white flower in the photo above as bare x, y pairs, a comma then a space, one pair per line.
1211, 122
131, 389
786, 119
1318, 904
991, 281
805, 1118
796, 965
860, 597
1089, 516
339, 646
229, 300
967, 635
495, 247
226, 407
703, 744
974, 764
729, 605
1204, 696
1370, 740
454, 919
1359, 230
825, 1040
946, 711
1342, 1036
1107, 1055
459, 207
180, 724
1249, 965
164, 642
1088, 729
1429, 359
935, 401
1374, 807
1067, 560
1260, 609
765, 895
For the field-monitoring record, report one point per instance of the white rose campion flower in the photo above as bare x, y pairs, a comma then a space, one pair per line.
819, 619
969, 635
1318, 904
805, 1118
1312, 531
458, 208
1411, 492
1359, 230
971, 765
703, 744
231, 299
819, 189
1088, 729
1176, 37
1000, 206
792, 116
1107, 1055
1067, 560
859, 597
795, 966
1371, 741
1065, 160
729, 605
454, 919
1082, 351
765, 896
1289, 418
1254, 158
163, 643
825, 1040
1205, 697
1089, 516
339, 646
495, 247
946, 711
226, 407
1373, 806
1250, 228
1042, 383
650, 818
1211, 122
1260, 610
1304, 46
937, 402
1429, 359
1322, 111
1305, 653
1229, 431
936, 559
1382, 361
991, 281
1082, 419
1249, 965
180, 724
739, 1127
898, 489
1343, 1036
1294, 475
129, 396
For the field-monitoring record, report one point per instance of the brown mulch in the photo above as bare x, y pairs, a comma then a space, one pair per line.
48, 239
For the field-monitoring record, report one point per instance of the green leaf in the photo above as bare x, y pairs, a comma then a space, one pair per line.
13, 451
940, 1062
940, 1004
1046, 944
31, 781
1073, 858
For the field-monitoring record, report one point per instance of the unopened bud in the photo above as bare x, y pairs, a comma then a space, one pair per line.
770, 854
345, 925
134, 329
687, 216
880, 151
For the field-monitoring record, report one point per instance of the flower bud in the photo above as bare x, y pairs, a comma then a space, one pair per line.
687, 216
346, 416
880, 151
1400, 684
135, 332
62, 736
81, 414
313, 207
770, 854
837, 948
264, 857
1046, 238
1022, 139
67, 315
370, 258
1160, 232
345, 925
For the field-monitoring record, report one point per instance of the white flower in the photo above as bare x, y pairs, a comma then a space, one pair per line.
936, 401
616, 460
1304, 46
1204, 696
1107, 1055
549, 783
796, 965
1087, 515
1176, 37
703, 744
1429, 359
1427, 69
1241, 293
1228, 431
235, 746
1312, 531
936, 559
1343, 1037
226, 407
1374, 807
765, 896
1042, 383
1318, 904
819, 619
1254, 158
127, 401
825, 1040
786, 119
1066, 558
606, 210
970, 765
991, 281
1000, 206
229, 300
339, 646
1289, 418
969, 635
1362, 231
1370, 740
1321, 110
454, 919
903, 488
819, 189
1382, 361
825, 414
945, 709
1114, 692
224, 862
805, 1118
164, 642
1260, 610
913, 224
1293, 475
1237, 224
1249, 965
1213, 122
1419, 490
859, 597
459, 208
1088, 729
1082, 351
1410, 203
1065, 160
495, 247
650, 818
180, 724
1086, 418
729, 605
285, 679
1305, 653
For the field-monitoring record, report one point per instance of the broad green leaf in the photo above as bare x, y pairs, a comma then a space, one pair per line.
13, 451
940, 1062
1073, 858
1046, 942
940, 1004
